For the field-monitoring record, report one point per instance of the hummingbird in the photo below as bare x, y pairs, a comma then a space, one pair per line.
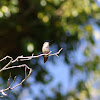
45, 50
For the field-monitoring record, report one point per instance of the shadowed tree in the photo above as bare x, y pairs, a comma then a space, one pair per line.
28, 23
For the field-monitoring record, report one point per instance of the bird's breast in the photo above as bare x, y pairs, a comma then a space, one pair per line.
45, 50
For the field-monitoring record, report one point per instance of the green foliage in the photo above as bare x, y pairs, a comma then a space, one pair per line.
24, 22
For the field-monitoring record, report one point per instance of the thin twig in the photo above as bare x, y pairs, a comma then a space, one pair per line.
12, 82
20, 58
25, 72
6, 58
10, 87
9, 79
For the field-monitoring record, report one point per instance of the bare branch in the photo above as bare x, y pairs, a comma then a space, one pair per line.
20, 58
56, 54
6, 58
10, 87
12, 82
9, 79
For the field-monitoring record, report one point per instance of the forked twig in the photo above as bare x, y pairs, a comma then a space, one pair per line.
10, 86
20, 58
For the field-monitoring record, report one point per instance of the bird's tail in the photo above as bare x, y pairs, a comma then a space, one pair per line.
45, 59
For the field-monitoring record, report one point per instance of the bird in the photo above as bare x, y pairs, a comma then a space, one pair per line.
45, 50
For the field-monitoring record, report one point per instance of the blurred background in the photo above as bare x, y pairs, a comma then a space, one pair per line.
73, 25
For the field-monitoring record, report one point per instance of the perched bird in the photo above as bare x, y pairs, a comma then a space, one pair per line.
45, 50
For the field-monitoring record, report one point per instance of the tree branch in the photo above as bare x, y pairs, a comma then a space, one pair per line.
10, 87
20, 58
